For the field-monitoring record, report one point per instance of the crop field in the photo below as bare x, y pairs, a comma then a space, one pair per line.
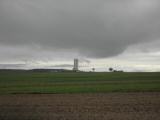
28, 95
14, 82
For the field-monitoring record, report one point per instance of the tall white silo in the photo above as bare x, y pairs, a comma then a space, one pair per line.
75, 68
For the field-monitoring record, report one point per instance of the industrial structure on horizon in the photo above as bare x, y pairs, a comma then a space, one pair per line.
75, 67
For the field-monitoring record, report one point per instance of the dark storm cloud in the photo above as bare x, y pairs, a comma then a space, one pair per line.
94, 28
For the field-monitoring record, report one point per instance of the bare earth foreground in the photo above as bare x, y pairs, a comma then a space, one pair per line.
107, 106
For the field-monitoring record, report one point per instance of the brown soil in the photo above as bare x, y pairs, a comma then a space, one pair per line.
109, 106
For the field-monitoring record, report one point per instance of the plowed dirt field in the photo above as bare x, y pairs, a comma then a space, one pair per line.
107, 106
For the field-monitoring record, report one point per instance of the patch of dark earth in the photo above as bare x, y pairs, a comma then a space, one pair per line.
103, 106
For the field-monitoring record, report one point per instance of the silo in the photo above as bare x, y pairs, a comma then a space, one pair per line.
75, 68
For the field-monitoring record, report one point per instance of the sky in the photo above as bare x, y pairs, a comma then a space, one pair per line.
123, 34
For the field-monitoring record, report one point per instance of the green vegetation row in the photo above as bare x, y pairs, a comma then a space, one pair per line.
82, 82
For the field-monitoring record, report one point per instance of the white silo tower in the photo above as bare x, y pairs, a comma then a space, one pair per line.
75, 68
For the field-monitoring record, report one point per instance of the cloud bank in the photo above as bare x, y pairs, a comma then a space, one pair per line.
92, 28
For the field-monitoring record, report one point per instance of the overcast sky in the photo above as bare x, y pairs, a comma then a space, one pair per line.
124, 34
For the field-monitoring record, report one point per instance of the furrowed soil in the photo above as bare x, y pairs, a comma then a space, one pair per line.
107, 106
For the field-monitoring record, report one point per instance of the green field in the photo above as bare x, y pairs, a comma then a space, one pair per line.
12, 82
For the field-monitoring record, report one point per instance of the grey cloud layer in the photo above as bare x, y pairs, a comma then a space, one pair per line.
94, 28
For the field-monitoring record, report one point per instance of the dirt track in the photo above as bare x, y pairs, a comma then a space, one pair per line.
109, 106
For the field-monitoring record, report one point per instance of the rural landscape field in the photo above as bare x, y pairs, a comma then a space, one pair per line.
32, 95
79, 59
80, 82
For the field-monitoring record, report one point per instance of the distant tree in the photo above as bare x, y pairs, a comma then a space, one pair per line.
111, 69
93, 69
115, 71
